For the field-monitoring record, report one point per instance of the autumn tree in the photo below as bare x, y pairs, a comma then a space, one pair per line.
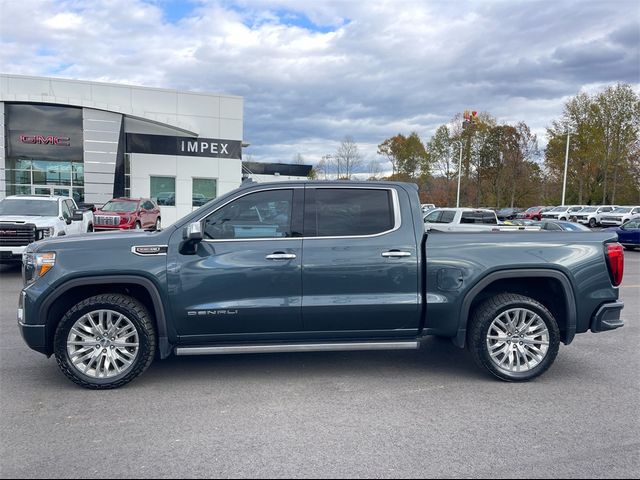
603, 134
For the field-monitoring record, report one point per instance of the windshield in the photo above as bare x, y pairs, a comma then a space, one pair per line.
589, 209
532, 209
621, 210
120, 206
558, 209
29, 207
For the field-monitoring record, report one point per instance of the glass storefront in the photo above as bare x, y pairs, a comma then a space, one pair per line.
44, 150
44, 177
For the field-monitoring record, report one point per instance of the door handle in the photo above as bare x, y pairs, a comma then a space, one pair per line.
281, 256
395, 253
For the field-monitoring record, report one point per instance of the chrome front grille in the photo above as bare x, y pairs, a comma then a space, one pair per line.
109, 221
17, 235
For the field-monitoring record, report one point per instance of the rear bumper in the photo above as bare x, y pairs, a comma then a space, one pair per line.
607, 317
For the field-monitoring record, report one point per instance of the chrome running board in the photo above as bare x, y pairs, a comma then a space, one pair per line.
298, 347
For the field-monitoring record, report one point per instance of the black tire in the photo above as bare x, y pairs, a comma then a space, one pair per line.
592, 223
481, 321
137, 315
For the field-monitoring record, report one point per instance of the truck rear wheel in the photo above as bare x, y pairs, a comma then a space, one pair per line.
514, 337
105, 341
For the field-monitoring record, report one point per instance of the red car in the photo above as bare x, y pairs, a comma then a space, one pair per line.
533, 213
128, 213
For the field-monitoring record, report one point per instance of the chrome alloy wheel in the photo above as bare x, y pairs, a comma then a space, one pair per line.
517, 340
103, 344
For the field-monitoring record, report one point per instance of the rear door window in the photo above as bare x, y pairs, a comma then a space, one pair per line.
447, 216
347, 212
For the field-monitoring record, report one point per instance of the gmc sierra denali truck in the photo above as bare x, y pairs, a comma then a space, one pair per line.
313, 266
28, 218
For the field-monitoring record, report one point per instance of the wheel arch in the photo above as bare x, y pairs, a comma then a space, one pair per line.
552, 288
73, 291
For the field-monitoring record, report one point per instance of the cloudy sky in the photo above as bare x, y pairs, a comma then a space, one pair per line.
313, 71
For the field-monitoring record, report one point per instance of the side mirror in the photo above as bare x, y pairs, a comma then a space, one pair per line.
192, 237
78, 216
193, 232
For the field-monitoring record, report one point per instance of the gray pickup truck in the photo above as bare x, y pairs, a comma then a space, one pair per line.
313, 266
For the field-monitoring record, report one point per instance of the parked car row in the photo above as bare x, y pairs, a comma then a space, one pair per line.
590, 215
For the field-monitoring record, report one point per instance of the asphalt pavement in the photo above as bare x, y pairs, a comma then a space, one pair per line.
430, 413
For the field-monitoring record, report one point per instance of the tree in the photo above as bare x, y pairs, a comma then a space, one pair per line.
442, 159
407, 155
375, 170
348, 158
298, 159
604, 131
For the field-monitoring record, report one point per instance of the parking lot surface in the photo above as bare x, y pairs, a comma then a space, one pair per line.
430, 413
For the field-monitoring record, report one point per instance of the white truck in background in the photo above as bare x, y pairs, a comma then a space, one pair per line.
461, 220
28, 218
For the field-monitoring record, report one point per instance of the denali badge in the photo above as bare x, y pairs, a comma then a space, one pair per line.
149, 250
210, 313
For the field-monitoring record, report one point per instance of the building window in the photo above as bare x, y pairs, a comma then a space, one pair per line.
163, 190
204, 189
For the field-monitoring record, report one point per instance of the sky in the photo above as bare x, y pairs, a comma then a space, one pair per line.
312, 72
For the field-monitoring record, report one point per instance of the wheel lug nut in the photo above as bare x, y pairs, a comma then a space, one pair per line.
104, 350
113, 346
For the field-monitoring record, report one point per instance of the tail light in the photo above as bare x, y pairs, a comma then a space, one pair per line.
615, 262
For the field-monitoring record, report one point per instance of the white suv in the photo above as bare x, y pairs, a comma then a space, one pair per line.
619, 216
593, 215
563, 212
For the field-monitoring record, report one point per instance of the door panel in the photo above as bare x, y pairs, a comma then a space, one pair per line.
245, 277
232, 288
360, 283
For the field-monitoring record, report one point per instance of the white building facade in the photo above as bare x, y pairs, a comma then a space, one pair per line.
95, 141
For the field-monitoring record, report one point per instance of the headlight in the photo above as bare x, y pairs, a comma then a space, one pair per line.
36, 265
44, 233
125, 219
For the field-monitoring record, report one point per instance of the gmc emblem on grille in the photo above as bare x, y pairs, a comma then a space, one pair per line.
9, 233
46, 140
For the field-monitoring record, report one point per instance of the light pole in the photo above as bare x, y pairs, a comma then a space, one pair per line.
459, 172
327, 159
566, 165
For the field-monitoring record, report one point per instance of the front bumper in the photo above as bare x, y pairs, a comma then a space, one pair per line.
607, 317
112, 228
35, 336
11, 254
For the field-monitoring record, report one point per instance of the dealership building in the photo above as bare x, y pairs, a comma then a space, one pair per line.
95, 141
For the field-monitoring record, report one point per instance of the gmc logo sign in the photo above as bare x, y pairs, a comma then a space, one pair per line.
46, 140
7, 233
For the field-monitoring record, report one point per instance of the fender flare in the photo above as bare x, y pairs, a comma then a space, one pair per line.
164, 346
569, 298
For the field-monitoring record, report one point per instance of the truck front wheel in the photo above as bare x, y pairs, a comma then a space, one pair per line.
105, 341
514, 337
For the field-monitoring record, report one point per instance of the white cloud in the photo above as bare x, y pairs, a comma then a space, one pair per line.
313, 72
